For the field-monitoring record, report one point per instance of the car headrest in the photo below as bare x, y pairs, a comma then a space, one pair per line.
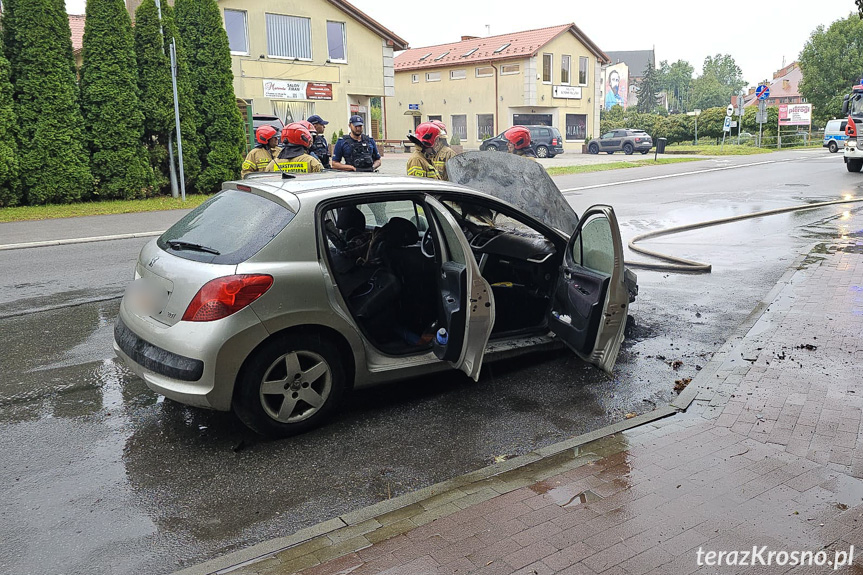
350, 218
400, 232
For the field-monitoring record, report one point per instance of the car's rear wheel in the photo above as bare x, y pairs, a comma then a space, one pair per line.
593, 149
628, 149
289, 385
833, 147
541, 152
491, 148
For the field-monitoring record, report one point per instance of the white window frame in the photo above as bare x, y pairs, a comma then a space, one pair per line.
453, 76
511, 72
550, 68
430, 79
311, 43
245, 30
415, 78
478, 134
478, 68
567, 68
586, 61
344, 42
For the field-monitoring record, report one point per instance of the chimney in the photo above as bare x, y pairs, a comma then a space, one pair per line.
463, 38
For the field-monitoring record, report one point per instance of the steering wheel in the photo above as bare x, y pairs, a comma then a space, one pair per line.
427, 244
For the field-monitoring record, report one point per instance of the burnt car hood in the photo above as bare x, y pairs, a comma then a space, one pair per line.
519, 181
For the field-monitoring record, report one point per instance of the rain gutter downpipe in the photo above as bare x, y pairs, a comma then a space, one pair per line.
496, 111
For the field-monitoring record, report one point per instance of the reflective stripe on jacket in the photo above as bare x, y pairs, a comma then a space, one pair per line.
420, 167
302, 164
257, 160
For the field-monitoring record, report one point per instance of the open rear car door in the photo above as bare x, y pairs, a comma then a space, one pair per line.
466, 311
591, 301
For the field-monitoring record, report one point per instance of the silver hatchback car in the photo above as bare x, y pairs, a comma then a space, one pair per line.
280, 293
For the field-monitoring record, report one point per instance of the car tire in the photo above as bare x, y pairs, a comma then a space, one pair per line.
491, 148
833, 147
593, 149
541, 152
628, 149
854, 165
304, 369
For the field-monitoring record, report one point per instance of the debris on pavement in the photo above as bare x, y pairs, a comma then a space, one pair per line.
680, 384
675, 364
630, 415
808, 346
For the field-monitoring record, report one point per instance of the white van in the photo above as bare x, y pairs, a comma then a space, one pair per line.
834, 135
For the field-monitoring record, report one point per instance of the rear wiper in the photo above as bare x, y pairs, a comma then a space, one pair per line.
180, 245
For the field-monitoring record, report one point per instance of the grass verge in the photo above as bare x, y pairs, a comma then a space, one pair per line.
714, 150
53, 211
563, 170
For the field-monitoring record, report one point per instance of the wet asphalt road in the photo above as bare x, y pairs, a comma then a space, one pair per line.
99, 475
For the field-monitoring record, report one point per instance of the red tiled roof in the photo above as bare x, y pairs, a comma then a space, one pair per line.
515, 45
777, 86
76, 23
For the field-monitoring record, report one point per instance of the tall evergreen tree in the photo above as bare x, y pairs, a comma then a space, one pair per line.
109, 102
50, 129
648, 89
10, 189
205, 42
156, 95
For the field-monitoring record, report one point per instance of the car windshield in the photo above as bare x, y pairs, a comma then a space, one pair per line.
518, 181
232, 226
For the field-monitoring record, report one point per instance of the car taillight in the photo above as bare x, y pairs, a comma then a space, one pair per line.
224, 296
554, 141
637, 139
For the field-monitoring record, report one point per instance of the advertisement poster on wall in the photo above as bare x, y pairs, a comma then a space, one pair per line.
616, 85
576, 127
297, 90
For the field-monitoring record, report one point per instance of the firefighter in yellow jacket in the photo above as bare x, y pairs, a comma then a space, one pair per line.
421, 162
442, 150
263, 152
294, 157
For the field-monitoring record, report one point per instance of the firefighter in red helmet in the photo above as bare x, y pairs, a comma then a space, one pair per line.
262, 154
518, 142
421, 162
295, 157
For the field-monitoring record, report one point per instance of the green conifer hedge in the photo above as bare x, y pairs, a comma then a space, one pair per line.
10, 189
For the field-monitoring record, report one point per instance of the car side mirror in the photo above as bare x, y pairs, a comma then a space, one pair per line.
845, 105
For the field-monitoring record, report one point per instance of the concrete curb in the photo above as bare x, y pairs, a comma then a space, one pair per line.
69, 241
430, 503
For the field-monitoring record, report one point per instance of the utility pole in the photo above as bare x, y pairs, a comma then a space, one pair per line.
172, 170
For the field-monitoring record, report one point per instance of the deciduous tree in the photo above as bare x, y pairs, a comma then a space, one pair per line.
199, 23
50, 131
109, 102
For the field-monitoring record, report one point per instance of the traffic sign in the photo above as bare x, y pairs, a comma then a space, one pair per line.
726, 127
760, 117
730, 110
762, 92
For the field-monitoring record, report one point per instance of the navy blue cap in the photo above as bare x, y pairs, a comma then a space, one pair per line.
356, 121
315, 119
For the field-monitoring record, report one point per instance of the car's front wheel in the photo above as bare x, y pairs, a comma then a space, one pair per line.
833, 146
628, 149
491, 148
289, 385
593, 149
541, 152
854, 165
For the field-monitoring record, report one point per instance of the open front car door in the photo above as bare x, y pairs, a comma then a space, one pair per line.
466, 311
591, 300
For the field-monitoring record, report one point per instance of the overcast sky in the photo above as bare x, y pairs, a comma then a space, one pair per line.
757, 34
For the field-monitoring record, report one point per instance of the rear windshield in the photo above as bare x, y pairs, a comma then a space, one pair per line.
235, 224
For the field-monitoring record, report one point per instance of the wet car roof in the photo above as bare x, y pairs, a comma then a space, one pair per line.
307, 183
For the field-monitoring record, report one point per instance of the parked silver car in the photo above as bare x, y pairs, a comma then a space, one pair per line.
278, 294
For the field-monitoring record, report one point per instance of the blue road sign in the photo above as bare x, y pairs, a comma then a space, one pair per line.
726, 127
413, 106
762, 92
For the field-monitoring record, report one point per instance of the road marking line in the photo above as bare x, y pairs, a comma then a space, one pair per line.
46, 243
570, 190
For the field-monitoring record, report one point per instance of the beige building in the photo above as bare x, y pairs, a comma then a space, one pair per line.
293, 59
479, 87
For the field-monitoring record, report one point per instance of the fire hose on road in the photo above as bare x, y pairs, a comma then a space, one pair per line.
683, 265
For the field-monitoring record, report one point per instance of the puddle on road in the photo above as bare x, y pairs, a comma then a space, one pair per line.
566, 496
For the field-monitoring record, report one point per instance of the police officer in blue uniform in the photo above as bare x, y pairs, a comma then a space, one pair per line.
320, 148
355, 151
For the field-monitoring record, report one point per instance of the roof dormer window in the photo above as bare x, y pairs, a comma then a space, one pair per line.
469, 52
441, 57
424, 57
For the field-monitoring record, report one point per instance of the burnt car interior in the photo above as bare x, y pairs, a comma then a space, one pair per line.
385, 265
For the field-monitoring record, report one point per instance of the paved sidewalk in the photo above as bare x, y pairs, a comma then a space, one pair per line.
769, 453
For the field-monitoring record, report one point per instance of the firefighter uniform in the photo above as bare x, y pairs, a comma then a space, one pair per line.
440, 159
418, 165
301, 164
258, 158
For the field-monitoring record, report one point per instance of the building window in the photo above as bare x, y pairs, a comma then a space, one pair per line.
508, 69
433, 77
435, 118
576, 127
484, 71
336, 41
457, 74
564, 69
484, 126
458, 127
582, 70
546, 68
415, 78
289, 37
235, 26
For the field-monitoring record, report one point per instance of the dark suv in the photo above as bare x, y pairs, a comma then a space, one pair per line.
545, 141
625, 140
